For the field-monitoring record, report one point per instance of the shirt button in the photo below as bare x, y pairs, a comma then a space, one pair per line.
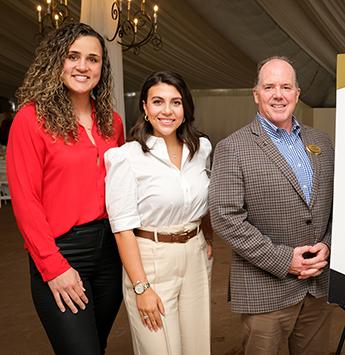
308, 221
304, 186
299, 165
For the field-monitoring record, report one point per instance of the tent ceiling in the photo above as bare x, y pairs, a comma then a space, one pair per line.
214, 44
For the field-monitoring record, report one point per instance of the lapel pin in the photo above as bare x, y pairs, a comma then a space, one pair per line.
314, 149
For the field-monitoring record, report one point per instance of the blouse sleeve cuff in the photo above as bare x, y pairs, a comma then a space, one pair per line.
124, 224
52, 266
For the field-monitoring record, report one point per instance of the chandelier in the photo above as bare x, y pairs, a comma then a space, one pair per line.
54, 14
135, 25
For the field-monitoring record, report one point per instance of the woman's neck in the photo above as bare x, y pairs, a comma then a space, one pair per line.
171, 141
81, 105
174, 148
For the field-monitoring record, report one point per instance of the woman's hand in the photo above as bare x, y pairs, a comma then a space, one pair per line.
150, 309
68, 288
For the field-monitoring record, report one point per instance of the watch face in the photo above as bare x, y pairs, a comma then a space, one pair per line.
139, 289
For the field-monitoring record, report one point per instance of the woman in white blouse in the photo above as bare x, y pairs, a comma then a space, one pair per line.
156, 197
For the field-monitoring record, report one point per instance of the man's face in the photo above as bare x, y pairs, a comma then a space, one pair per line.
276, 93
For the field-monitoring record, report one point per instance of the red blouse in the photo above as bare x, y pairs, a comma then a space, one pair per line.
55, 186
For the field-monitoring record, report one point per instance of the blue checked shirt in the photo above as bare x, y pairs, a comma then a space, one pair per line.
291, 147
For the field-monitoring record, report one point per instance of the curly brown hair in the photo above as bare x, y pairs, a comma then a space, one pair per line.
43, 85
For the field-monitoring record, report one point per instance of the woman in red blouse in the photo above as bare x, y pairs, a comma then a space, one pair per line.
56, 173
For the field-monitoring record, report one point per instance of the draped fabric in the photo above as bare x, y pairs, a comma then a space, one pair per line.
311, 32
97, 15
214, 44
318, 27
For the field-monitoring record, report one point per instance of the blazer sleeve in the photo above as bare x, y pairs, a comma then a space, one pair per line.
229, 215
327, 239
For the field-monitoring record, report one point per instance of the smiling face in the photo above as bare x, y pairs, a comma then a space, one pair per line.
164, 109
276, 93
82, 66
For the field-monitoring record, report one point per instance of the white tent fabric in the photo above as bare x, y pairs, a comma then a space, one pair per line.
214, 44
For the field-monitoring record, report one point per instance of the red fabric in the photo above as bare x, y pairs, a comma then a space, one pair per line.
54, 186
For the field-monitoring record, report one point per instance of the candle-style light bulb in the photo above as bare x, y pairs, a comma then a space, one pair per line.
56, 17
39, 9
48, 8
128, 10
155, 15
135, 25
143, 6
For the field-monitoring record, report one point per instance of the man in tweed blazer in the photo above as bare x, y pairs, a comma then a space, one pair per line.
270, 198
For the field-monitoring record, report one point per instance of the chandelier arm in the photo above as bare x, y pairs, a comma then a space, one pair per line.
128, 28
115, 15
138, 44
66, 15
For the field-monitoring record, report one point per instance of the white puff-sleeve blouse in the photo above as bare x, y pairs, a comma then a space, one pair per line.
147, 190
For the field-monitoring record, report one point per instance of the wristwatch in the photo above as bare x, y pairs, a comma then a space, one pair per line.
140, 287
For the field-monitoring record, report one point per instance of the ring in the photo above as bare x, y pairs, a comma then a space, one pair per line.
145, 317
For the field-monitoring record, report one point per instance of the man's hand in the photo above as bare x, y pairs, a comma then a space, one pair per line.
309, 267
316, 264
297, 265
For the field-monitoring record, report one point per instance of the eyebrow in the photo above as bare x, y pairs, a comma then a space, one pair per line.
173, 98
90, 54
283, 84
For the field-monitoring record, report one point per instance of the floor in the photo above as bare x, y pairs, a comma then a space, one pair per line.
22, 334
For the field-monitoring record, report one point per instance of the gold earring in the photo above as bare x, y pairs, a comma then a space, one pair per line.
146, 118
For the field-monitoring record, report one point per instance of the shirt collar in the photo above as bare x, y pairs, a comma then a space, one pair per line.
153, 140
158, 148
271, 127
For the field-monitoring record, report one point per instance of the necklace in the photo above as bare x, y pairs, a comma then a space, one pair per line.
174, 155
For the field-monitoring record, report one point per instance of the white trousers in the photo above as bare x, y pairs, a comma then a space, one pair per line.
180, 273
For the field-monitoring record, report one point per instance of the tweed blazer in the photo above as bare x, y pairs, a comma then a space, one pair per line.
258, 207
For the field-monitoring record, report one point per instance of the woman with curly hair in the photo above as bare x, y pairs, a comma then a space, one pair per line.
56, 171
156, 197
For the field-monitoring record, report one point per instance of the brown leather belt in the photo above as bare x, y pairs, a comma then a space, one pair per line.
181, 237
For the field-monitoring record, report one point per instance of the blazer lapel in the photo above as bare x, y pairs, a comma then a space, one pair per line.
269, 148
315, 163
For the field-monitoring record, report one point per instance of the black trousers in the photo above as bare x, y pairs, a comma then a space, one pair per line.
92, 251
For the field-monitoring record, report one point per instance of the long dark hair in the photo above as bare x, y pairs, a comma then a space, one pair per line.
43, 85
186, 133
